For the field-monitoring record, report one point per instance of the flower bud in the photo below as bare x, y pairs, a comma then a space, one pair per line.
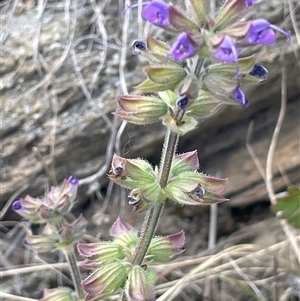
185, 162
260, 71
58, 294
192, 188
42, 243
27, 208
139, 286
101, 253
124, 234
106, 280
71, 233
139, 109
131, 173
164, 249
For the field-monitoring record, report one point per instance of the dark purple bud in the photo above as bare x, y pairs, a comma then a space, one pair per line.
138, 46
239, 95
134, 201
25, 242
117, 171
200, 191
157, 13
182, 102
17, 205
182, 48
259, 71
262, 32
250, 2
73, 181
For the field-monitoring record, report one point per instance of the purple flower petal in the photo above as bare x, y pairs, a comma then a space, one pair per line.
228, 53
17, 205
262, 32
250, 2
239, 95
157, 13
73, 181
182, 48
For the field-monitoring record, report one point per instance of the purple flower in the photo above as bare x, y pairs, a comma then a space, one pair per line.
182, 48
17, 205
239, 95
227, 52
250, 2
157, 13
262, 32
73, 181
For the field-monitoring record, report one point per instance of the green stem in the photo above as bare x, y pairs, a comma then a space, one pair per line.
153, 215
75, 273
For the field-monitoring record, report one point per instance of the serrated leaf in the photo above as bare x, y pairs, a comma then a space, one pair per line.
289, 207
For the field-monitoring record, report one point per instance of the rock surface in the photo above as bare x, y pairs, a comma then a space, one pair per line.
62, 67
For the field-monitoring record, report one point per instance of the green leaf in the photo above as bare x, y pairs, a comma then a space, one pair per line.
289, 207
165, 74
150, 86
197, 9
246, 64
157, 47
230, 12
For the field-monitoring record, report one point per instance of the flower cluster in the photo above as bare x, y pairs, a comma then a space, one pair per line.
186, 186
50, 210
216, 43
111, 262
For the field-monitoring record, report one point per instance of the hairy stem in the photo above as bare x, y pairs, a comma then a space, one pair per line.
75, 273
153, 215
